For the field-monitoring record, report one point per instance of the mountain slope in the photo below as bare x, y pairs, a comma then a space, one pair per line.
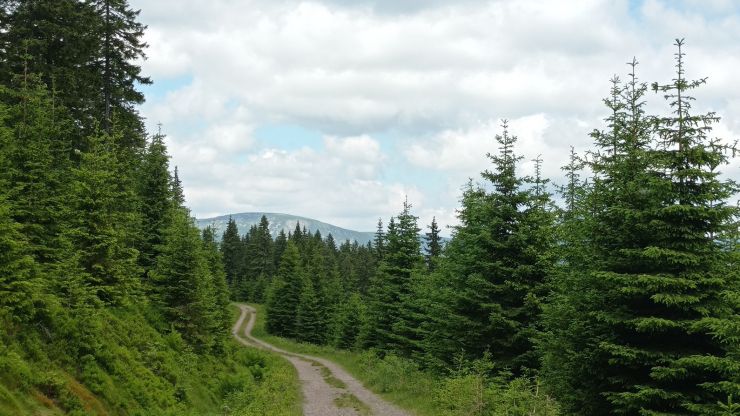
284, 222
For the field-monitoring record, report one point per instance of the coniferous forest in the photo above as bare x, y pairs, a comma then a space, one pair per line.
615, 293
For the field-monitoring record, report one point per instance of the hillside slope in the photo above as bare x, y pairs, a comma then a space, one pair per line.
285, 222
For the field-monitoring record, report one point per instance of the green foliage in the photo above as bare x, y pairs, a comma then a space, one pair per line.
284, 294
347, 322
101, 230
309, 322
433, 245
233, 255
489, 286
18, 271
184, 283
639, 312
156, 197
393, 322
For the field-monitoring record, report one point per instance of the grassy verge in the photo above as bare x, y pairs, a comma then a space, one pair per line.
397, 381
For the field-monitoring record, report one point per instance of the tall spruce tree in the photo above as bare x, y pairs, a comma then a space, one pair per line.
183, 283
391, 313
284, 294
233, 255
102, 231
664, 356
221, 317
493, 279
347, 322
155, 195
379, 240
651, 296
310, 322
92, 71
432, 245
19, 277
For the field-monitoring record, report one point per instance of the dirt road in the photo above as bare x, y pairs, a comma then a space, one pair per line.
328, 390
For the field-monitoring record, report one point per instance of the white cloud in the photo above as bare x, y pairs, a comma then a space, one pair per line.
316, 183
436, 74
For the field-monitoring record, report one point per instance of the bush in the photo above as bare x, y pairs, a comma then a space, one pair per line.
13, 369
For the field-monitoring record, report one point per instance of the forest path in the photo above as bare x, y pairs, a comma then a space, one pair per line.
328, 389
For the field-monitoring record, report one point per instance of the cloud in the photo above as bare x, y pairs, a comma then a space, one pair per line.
328, 183
436, 76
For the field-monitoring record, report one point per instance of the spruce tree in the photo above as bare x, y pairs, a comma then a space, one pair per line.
93, 72
492, 282
38, 164
652, 297
259, 255
668, 272
284, 294
281, 241
119, 36
310, 324
347, 322
221, 317
102, 229
233, 255
178, 195
392, 313
18, 272
379, 240
182, 279
432, 245
156, 198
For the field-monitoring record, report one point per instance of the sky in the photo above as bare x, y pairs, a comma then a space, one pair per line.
339, 109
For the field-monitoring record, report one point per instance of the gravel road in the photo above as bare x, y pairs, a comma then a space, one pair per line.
319, 396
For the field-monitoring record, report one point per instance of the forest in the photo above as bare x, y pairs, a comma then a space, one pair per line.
615, 293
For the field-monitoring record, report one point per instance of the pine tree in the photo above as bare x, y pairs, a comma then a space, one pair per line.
102, 230
392, 313
347, 322
182, 277
18, 272
492, 281
156, 200
284, 294
433, 245
221, 317
233, 255
379, 240
178, 195
310, 324
668, 271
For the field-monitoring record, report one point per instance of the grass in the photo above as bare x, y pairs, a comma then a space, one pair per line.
349, 400
329, 377
396, 382
137, 369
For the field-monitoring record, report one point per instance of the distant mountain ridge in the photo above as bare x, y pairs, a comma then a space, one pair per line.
286, 222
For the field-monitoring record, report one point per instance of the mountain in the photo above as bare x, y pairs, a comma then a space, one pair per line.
284, 222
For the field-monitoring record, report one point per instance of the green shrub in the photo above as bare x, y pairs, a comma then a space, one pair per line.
14, 370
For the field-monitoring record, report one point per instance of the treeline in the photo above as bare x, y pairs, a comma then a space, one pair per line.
311, 285
94, 234
623, 299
